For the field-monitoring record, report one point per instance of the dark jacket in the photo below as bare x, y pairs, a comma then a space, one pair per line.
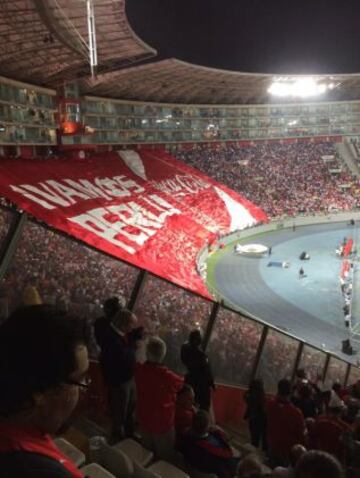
210, 454
117, 357
101, 328
196, 362
255, 409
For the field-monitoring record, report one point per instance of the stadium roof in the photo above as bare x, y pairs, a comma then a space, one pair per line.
44, 42
175, 81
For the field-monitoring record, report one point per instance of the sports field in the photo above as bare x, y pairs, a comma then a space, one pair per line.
309, 308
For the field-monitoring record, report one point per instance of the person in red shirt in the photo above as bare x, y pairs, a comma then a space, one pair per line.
328, 429
157, 387
285, 425
43, 364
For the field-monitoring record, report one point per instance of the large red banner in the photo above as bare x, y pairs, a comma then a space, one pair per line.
143, 207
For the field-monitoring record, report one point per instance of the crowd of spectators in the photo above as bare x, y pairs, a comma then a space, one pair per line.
305, 414
64, 272
284, 179
306, 430
77, 278
172, 419
308, 414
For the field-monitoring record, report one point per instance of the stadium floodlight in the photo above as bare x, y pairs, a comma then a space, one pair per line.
301, 87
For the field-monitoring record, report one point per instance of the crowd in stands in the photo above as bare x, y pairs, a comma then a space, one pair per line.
78, 279
173, 417
284, 179
305, 431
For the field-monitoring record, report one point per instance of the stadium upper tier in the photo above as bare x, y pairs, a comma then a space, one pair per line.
46, 42
30, 115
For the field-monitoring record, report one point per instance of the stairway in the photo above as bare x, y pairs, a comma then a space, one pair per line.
348, 155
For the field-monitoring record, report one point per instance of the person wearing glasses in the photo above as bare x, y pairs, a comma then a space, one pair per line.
43, 366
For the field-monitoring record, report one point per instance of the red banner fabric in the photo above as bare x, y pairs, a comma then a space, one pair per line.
143, 207
348, 247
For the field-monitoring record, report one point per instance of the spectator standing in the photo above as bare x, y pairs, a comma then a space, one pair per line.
255, 413
43, 365
299, 382
355, 391
111, 307
285, 425
157, 387
118, 360
305, 401
199, 374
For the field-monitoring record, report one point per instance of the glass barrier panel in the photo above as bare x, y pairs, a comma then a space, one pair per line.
233, 347
336, 371
6, 218
277, 359
354, 375
313, 362
171, 313
50, 268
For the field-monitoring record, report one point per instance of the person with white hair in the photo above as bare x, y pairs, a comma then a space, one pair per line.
157, 387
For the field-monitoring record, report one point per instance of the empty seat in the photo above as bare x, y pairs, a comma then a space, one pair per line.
75, 455
194, 473
94, 470
135, 451
141, 472
167, 470
116, 462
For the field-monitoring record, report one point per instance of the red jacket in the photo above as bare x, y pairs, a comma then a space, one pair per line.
285, 426
184, 414
28, 439
326, 434
157, 387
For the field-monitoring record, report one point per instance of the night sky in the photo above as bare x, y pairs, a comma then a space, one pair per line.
269, 36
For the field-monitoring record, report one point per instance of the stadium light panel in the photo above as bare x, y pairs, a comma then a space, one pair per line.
299, 87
